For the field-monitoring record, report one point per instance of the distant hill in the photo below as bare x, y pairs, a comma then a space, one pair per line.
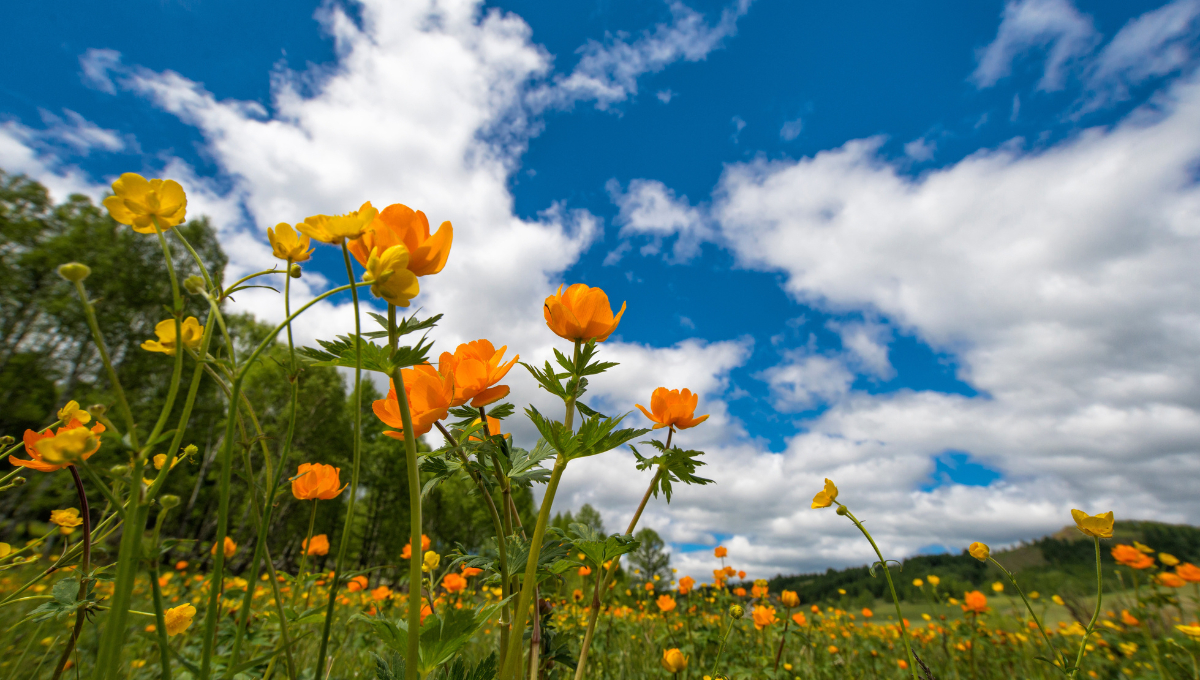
1063, 562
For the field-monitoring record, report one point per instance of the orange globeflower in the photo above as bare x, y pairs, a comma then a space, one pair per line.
789, 599
430, 395
381, 593
665, 603
581, 313
867, 613
50, 452
468, 572
454, 583
673, 408
974, 601
800, 619
1128, 619
493, 429
316, 481
1188, 572
674, 661
476, 369
400, 225
1171, 580
763, 617
740, 592
585, 570
230, 548
318, 546
356, 584
686, 584
741, 574
729, 572
720, 551
1132, 557
406, 554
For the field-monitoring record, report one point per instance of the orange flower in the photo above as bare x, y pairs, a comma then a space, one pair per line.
318, 546
758, 591
356, 584
763, 617
673, 408
789, 598
867, 613
741, 574
430, 395
577, 595
476, 369
585, 571
406, 554
674, 661
1132, 557
181, 565
720, 551
974, 601
1171, 580
649, 587
493, 429
316, 481
686, 584
740, 592
46, 439
582, 313
230, 548
1188, 572
399, 224
729, 571
665, 603
468, 572
800, 619
1128, 619
454, 583
425, 611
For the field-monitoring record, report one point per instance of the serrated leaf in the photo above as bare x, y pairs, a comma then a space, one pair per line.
585, 412
66, 591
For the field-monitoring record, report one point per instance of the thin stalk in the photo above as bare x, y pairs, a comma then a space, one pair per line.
717, 660
160, 618
912, 662
1054, 653
1096, 614
81, 613
782, 638
177, 312
357, 451
122, 403
412, 669
312, 520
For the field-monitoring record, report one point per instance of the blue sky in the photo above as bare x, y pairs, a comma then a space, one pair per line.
938, 252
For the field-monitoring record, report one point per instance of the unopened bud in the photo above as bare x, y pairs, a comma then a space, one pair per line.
189, 451
842, 510
737, 611
18, 481
97, 410
7, 440
74, 271
294, 271
169, 501
119, 470
194, 285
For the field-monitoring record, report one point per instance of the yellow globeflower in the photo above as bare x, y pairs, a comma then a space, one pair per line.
165, 330
72, 412
998, 587
918, 582
137, 201
1099, 526
980, 551
66, 519
933, 580
336, 229
286, 244
179, 618
1168, 559
1190, 631
674, 661
431, 561
826, 496
5, 550
390, 279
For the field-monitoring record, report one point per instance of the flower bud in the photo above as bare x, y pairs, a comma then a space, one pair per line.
97, 410
74, 271
737, 611
7, 440
18, 481
842, 510
119, 470
294, 271
169, 501
194, 285
189, 451
979, 551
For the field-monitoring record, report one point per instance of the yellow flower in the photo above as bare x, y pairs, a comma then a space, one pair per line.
1143, 548
335, 229
789, 598
1128, 648
66, 519
179, 618
5, 550
165, 330
1057, 599
229, 550
1166, 558
72, 412
137, 202
933, 580
1190, 631
918, 582
390, 279
286, 244
431, 561
979, 551
674, 661
161, 459
826, 496
66, 446
1099, 526
998, 587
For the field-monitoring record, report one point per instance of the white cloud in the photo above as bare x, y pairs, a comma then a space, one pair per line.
649, 208
665, 96
791, 130
1153, 44
866, 344
608, 71
805, 381
738, 126
920, 149
1054, 26
23, 150
95, 65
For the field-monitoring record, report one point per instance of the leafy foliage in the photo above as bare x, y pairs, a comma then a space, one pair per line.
674, 465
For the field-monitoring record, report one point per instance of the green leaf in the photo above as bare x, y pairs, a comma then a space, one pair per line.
548, 379
674, 464
341, 353
585, 412
66, 590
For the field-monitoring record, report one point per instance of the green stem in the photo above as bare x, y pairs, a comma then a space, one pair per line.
912, 662
1054, 653
177, 313
160, 620
412, 669
717, 660
312, 520
1095, 615
339, 576
85, 567
97, 338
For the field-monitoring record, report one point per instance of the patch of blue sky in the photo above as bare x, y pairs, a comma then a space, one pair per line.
699, 547
959, 467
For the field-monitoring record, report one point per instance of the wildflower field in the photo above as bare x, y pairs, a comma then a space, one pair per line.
184, 513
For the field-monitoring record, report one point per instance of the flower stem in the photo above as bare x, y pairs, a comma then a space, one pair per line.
912, 662
85, 566
347, 528
1095, 615
1054, 653
160, 618
312, 520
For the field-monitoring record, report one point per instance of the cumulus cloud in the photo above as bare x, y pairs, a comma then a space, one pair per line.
1053, 26
1154, 44
608, 70
649, 208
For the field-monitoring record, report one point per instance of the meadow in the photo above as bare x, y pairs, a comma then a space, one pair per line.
193, 495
